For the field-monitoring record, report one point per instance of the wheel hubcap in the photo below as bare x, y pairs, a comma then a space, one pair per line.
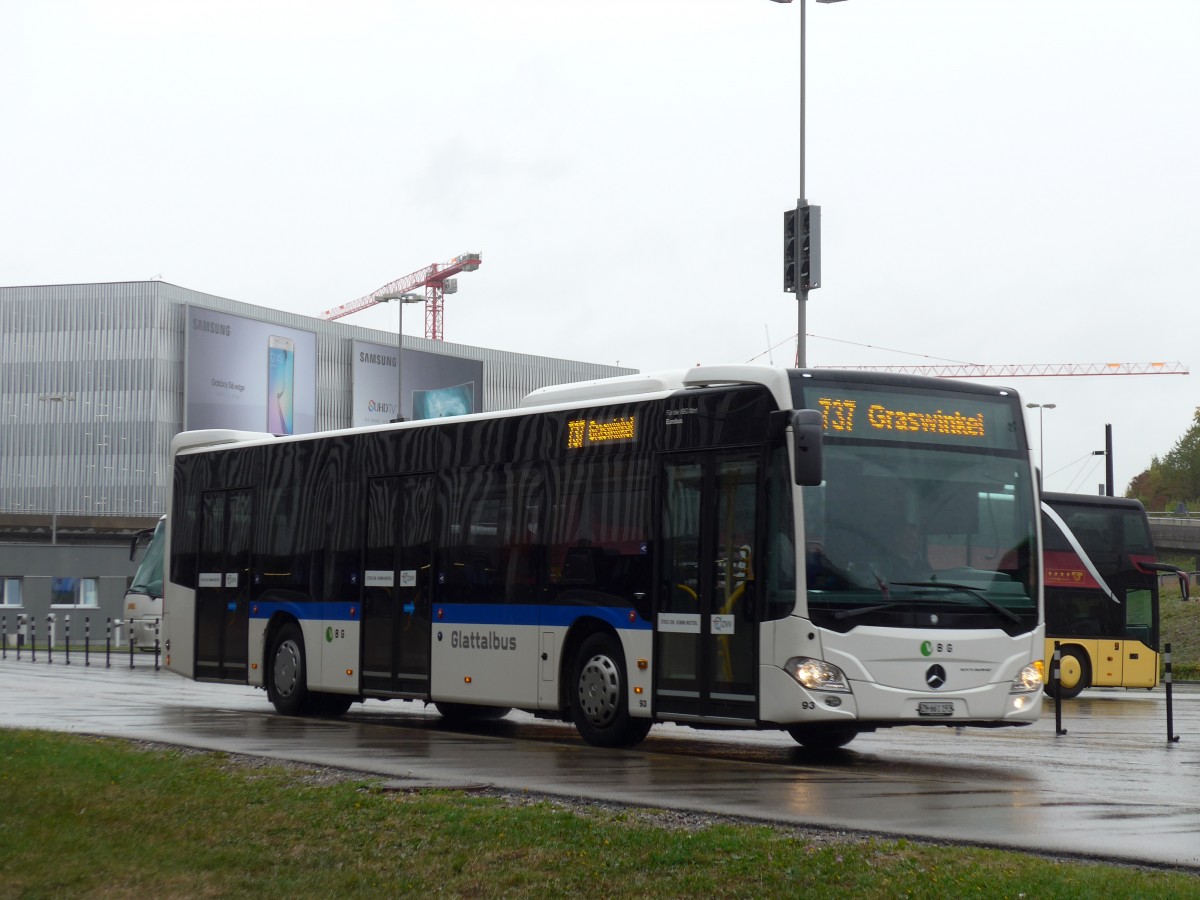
1069, 671
287, 668
599, 690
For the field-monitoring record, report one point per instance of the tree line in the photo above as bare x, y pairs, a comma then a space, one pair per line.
1173, 481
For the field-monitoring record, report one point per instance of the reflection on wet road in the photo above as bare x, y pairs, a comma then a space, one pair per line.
1112, 786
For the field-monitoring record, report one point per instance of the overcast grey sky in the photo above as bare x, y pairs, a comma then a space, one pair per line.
1002, 181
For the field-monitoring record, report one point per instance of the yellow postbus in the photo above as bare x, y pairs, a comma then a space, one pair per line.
1101, 593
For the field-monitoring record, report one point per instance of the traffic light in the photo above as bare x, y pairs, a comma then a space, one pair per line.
802, 248
789, 250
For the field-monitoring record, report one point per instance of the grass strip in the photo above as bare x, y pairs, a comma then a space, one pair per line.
95, 817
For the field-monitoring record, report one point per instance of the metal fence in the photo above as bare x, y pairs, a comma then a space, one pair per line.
22, 641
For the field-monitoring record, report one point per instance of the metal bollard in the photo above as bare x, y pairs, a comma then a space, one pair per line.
32, 639
108, 643
157, 648
132, 641
1172, 737
87, 640
67, 635
50, 639
3, 637
19, 642
1056, 680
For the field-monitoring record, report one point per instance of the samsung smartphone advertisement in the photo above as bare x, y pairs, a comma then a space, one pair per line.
248, 375
420, 385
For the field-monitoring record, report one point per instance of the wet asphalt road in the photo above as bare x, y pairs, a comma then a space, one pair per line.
1111, 787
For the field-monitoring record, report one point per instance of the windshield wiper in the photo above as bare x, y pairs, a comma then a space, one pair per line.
887, 604
863, 610
966, 589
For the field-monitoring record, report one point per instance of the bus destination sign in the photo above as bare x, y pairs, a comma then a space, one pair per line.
928, 418
839, 415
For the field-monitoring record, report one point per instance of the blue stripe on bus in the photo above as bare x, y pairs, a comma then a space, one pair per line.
463, 613
328, 611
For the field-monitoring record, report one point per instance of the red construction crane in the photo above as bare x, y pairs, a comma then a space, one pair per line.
1031, 370
433, 278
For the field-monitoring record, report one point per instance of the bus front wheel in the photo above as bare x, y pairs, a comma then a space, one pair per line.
600, 695
1073, 675
289, 678
817, 738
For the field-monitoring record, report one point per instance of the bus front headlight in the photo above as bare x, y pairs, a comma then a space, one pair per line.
817, 675
1029, 679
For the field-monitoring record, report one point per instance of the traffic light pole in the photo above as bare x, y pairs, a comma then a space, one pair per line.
802, 226
802, 291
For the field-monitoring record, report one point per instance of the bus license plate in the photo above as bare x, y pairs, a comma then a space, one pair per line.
935, 708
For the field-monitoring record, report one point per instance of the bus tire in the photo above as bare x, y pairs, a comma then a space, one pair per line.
289, 672
331, 706
817, 738
600, 695
463, 713
1073, 673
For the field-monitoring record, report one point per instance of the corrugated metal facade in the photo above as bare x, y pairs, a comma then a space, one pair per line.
92, 389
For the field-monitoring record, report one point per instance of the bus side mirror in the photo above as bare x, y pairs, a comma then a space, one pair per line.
807, 439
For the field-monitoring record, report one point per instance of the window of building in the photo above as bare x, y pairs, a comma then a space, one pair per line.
74, 592
10, 591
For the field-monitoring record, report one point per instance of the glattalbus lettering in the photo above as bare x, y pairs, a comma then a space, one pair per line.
479, 640
954, 423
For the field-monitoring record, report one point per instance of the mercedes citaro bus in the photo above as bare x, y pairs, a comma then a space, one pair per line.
817, 551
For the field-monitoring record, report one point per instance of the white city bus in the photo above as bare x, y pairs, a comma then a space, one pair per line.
734, 547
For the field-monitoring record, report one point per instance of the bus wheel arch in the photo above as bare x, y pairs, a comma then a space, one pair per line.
599, 693
1074, 673
287, 667
579, 632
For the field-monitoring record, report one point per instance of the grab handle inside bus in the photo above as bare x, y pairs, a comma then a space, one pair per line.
807, 430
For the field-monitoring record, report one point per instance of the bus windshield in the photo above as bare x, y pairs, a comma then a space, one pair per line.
149, 577
917, 526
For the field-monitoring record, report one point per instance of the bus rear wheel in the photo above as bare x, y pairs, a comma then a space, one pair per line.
1073, 675
600, 695
289, 676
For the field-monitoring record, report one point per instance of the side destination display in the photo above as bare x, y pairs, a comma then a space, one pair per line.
586, 432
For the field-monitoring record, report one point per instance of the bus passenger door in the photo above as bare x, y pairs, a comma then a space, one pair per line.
223, 586
396, 587
706, 647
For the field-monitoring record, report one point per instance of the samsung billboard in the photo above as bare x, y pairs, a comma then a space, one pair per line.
421, 385
248, 375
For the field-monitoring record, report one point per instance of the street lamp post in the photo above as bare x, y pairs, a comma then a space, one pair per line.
1041, 408
401, 299
1106, 489
57, 400
802, 226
